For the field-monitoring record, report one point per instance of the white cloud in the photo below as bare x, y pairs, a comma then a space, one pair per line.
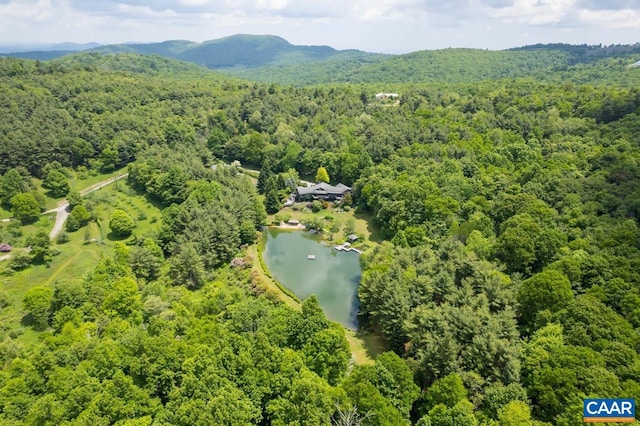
535, 12
377, 25
614, 19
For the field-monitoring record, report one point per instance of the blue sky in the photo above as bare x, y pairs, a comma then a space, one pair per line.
391, 26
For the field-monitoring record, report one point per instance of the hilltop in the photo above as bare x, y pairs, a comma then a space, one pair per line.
272, 59
234, 52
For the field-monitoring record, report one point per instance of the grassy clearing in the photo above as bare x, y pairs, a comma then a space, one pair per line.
76, 257
365, 347
77, 181
362, 224
119, 195
85, 180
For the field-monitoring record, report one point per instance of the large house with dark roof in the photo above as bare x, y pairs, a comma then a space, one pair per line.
321, 191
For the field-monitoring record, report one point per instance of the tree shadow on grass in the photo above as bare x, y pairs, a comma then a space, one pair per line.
27, 320
115, 237
375, 234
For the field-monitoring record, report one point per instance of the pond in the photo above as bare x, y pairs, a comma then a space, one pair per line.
332, 276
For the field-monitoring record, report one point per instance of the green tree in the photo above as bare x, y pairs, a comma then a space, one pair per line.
517, 243
316, 206
187, 267
20, 259
322, 175
170, 187
515, 413
120, 223
447, 391
57, 183
327, 354
71, 224
11, 184
307, 402
498, 395
460, 414
37, 302
272, 202
549, 290
307, 323
81, 214
123, 300
145, 263
370, 404
68, 293
25, 208
40, 244
266, 172
395, 382
75, 199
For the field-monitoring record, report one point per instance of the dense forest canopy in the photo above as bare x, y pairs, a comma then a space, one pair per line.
506, 288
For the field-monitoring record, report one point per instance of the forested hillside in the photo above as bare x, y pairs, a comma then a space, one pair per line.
239, 51
506, 287
550, 63
271, 59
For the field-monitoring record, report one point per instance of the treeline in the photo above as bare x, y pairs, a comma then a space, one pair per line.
551, 63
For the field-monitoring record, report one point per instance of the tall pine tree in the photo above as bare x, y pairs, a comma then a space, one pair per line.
266, 171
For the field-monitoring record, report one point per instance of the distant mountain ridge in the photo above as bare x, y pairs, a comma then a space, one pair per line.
240, 51
46, 47
272, 59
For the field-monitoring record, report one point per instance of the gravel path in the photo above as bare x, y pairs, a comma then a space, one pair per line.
62, 211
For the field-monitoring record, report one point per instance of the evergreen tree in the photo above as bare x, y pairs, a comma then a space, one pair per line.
272, 202
266, 172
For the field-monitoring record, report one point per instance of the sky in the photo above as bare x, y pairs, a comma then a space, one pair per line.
389, 26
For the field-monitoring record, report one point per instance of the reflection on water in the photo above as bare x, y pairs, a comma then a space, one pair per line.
332, 276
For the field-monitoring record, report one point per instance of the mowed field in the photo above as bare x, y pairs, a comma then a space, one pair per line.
74, 257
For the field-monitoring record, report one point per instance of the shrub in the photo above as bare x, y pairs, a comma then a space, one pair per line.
62, 238
71, 224
120, 223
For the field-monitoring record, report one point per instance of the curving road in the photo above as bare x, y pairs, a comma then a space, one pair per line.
61, 211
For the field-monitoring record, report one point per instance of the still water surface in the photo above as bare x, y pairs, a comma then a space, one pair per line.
332, 276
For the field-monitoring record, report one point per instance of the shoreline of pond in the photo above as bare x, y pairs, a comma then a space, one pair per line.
364, 346
301, 228
303, 263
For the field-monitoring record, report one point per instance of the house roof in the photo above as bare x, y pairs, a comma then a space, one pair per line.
323, 188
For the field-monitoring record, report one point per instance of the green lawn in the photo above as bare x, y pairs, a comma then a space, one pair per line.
78, 181
77, 256
119, 195
363, 224
81, 181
